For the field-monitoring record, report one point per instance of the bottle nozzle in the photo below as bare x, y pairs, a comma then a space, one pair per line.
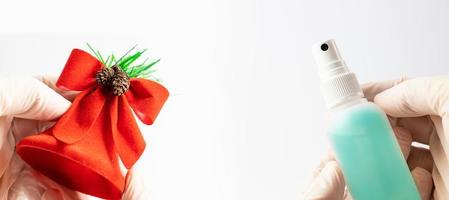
328, 59
337, 82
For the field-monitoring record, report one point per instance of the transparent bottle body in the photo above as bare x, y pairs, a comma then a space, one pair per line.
369, 155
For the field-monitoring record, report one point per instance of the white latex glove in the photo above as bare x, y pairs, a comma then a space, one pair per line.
27, 106
417, 109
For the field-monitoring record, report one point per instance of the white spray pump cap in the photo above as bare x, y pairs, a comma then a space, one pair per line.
338, 84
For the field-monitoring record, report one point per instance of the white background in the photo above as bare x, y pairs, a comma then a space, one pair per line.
246, 118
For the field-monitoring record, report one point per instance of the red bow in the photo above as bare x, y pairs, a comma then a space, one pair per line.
145, 97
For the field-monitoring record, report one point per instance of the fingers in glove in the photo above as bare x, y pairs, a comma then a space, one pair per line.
441, 162
404, 138
30, 99
327, 158
50, 81
52, 194
440, 192
370, 90
25, 127
347, 195
423, 180
420, 127
420, 157
134, 187
415, 97
328, 184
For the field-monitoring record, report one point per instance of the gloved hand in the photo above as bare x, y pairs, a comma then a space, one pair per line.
27, 106
417, 109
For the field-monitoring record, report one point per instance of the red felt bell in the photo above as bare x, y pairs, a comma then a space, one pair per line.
87, 166
83, 150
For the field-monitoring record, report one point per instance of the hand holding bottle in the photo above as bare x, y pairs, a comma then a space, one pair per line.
418, 112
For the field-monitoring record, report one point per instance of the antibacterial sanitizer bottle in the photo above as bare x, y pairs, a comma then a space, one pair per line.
360, 134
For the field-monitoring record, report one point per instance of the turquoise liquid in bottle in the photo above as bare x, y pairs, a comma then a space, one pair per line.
369, 155
360, 134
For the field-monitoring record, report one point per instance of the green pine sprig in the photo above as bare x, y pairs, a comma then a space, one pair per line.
128, 63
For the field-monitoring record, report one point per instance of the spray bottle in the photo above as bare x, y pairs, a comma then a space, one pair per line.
360, 134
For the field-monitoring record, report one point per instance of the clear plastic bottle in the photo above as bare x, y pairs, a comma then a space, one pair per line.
360, 134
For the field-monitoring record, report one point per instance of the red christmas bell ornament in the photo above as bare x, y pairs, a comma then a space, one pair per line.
83, 150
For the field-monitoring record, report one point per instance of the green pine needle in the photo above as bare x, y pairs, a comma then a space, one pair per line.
107, 59
112, 60
101, 57
127, 64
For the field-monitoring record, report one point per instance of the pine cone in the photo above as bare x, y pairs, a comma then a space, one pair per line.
119, 82
113, 78
104, 76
